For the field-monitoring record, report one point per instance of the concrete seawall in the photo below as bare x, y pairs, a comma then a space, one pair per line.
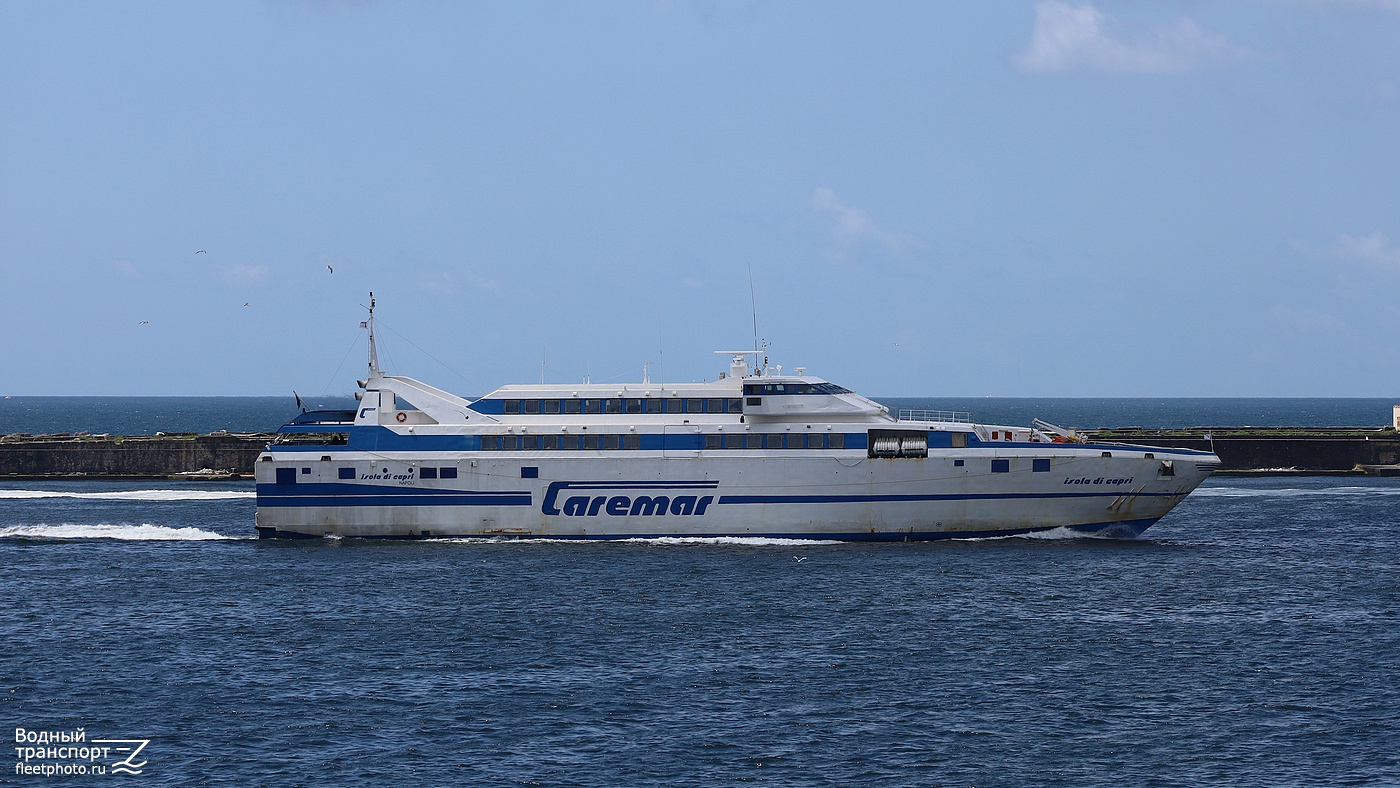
138, 456
1302, 450
225, 455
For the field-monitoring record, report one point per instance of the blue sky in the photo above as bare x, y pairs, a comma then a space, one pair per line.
1136, 198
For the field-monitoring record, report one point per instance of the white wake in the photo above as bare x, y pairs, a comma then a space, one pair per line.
144, 532
131, 495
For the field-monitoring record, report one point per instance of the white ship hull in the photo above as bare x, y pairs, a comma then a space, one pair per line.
831, 497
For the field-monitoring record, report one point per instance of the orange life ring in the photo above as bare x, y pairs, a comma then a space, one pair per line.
402, 417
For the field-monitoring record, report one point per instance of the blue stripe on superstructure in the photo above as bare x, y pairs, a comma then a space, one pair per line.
491, 407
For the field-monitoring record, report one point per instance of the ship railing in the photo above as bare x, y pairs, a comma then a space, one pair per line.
955, 416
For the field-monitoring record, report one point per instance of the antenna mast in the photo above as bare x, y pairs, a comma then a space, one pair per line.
753, 301
373, 351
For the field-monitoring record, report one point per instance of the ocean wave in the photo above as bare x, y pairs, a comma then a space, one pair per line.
131, 495
144, 532
1293, 492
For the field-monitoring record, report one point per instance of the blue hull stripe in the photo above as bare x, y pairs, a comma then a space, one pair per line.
762, 499
314, 494
304, 501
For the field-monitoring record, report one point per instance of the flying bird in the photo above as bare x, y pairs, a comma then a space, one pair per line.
143, 322
328, 268
201, 251
245, 303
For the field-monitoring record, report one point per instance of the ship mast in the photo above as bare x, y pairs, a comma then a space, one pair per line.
373, 352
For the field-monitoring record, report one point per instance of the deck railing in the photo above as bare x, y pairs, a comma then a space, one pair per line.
955, 416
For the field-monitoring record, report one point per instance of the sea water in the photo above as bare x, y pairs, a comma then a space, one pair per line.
1250, 637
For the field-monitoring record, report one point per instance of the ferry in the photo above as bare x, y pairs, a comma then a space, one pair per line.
754, 453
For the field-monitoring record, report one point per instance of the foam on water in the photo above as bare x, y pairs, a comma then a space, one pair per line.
131, 495
144, 532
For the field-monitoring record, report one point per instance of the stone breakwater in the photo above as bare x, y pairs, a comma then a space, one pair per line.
1260, 449
226, 455
219, 455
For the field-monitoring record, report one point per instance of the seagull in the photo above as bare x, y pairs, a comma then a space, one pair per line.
799, 559
143, 322
201, 251
328, 268
245, 303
